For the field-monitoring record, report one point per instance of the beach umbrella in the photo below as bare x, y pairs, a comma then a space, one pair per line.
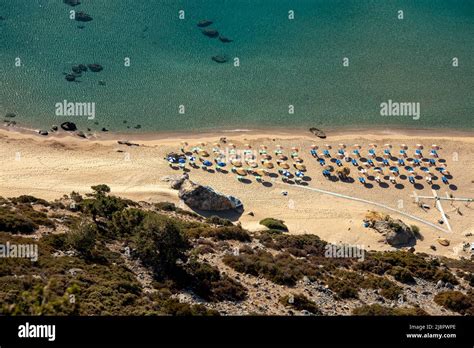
252, 164
426, 170
236, 163
284, 165
299, 166
329, 167
203, 153
435, 147
207, 163
282, 156
388, 145
182, 160
240, 171
294, 148
248, 146
419, 146
342, 146
261, 172
378, 169
221, 164
286, 173
299, 174
393, 169
410, 169
328, 146
372, 145
267, 164
357, 146
314, 147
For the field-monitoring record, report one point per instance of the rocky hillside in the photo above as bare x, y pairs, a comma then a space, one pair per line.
103, 255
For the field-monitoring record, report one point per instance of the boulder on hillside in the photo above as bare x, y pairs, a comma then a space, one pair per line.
202, 197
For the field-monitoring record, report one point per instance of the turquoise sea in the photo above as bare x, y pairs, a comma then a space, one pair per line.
282, 62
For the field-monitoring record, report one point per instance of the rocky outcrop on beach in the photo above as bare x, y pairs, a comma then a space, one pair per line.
202, 197
396, 232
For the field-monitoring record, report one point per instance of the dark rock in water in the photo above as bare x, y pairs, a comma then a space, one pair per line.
95, 67
205, 198
2, 18
77, 69
102, 83
83, 67
225, 39
124, 121
88, 129
70, 77
96, 122
104, 129
81, 134
10, 123
54, 128
138, 126
83, 17
72, 2
210, 32
10, 115
69, 126
204, 23
219, 59
318, 132
81, 26
43, 132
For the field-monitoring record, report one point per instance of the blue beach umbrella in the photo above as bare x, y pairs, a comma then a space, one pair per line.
299, 174
207, 163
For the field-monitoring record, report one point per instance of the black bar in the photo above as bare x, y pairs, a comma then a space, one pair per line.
244, 331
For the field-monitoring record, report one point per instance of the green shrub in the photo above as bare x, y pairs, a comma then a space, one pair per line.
82, 238
216, 220
376, 309
166, 206
13, 222
401, 274
455, 301
26, 199
126, 222
300, 302
274, 224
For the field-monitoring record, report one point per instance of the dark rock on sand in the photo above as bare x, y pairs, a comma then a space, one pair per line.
81, 134
43, 132
318, 132
210, 32
83, 17
69, 126
70, 77
95, 67
219, 59
225, 39
54, 128
126, 142
396, 232
205, 198
204, 23
72, 2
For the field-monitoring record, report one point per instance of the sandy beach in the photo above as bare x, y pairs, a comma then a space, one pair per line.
49, 167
